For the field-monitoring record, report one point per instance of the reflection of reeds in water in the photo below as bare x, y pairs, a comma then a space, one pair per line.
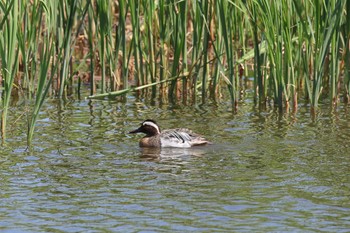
186, 51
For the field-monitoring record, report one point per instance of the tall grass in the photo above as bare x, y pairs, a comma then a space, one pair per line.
9, 55
323, 42
275, 22
346, 55
225, 11
48, 64
179, 51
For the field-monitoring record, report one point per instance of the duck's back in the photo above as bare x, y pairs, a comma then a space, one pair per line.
181, 137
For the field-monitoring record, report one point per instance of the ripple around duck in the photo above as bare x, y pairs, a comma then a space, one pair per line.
85, 173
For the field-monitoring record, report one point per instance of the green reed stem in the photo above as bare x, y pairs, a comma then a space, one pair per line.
121, 42
162, 22
47, 61
43, 85
9, 56
347, 57
28, 43
69, 8
323, 37
206, 36
124, 91
178, 40
90, 40
149, 46
136, 42
334, 71
197, 45
225, 16
258, 80
104, 25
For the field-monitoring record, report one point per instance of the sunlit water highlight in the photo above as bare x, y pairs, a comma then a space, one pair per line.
265, 172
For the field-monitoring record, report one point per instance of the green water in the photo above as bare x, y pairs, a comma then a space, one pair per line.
265, 172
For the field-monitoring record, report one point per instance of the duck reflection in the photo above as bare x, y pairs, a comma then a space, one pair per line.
158, 153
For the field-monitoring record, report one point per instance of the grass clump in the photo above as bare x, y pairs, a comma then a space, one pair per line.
179, 51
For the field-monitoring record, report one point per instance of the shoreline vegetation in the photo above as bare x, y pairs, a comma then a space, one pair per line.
178, 51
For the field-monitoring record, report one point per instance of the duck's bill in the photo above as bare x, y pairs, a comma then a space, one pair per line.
135, 131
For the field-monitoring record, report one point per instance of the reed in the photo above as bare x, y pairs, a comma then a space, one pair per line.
346, 58
227, 31
162, 31
198, 26
184, 51
250, 9
9, 56
136, 41
319, 37
91, 44
48, 62
104, 27
150, 43
67, 12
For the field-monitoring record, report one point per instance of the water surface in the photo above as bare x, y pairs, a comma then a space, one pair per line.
265, 172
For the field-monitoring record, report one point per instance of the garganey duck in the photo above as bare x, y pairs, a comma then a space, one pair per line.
179, 137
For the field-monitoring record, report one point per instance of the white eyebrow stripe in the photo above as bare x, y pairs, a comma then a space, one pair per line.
151, 124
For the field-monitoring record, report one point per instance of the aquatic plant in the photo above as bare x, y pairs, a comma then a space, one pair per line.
9, 55
179, 51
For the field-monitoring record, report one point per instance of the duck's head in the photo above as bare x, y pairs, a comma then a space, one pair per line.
148, 127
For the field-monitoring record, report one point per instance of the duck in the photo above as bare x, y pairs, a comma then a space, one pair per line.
179, 137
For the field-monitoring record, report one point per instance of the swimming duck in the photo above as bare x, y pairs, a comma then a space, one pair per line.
179, 137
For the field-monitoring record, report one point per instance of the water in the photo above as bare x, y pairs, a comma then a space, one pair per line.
265, 172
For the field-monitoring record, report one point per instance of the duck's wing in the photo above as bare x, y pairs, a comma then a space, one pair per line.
181, 138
